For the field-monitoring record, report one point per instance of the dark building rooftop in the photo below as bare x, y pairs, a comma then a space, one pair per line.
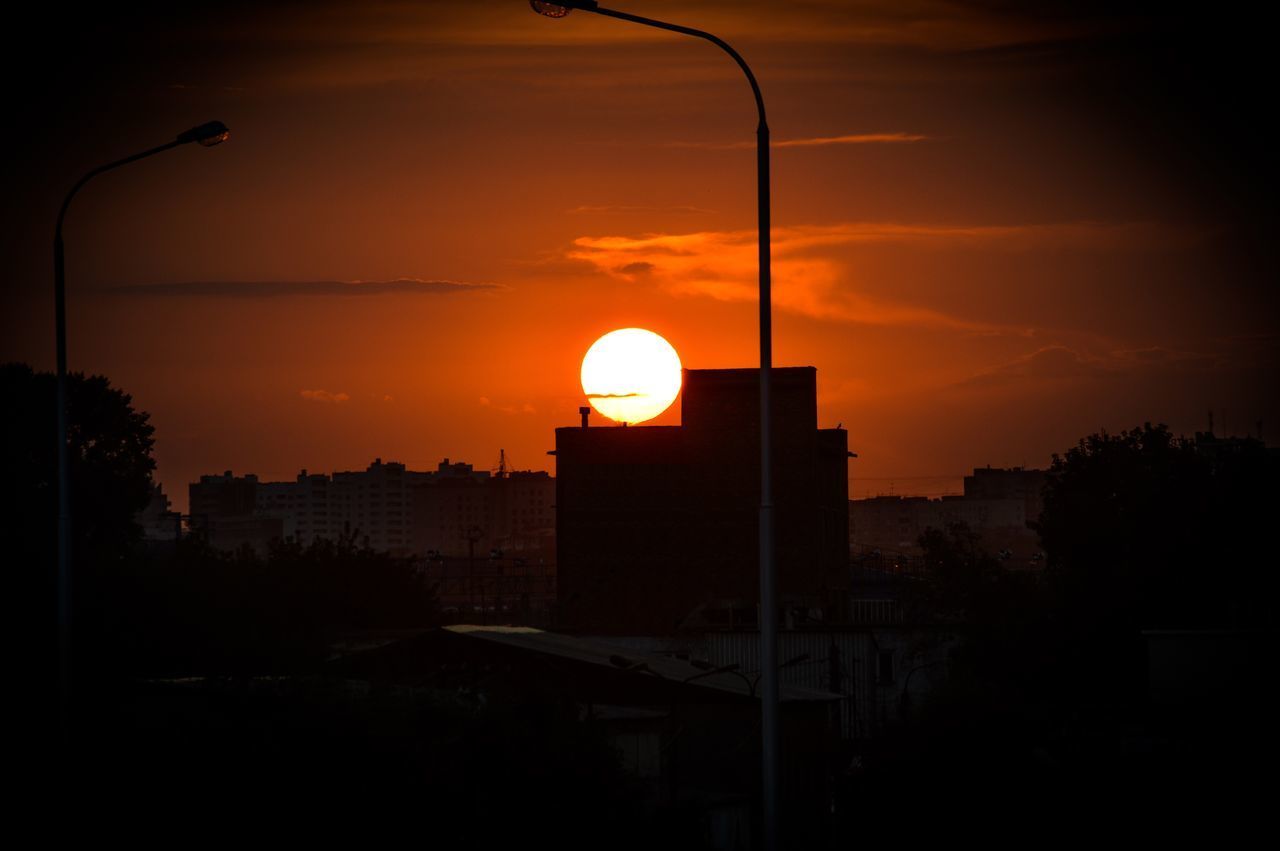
654, 522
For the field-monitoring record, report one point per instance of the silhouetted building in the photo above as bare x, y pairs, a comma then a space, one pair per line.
375, 505
453, 510
687, 734
524, 511
448, 470
222, 496
1015, 483
493, 586
372, 507
1225, 451
302, 506
998, 504
653, 522
879, 673
157, 521
456, 515
224, 510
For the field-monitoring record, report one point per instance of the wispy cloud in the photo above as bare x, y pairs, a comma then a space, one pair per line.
523, 408
601, 209
855, 139
372, 45
324, 396
1050, 365
285, 289
809, 276
812, 142
188, 87
1164, 355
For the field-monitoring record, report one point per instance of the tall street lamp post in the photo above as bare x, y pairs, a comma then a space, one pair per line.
768, 590
208, 135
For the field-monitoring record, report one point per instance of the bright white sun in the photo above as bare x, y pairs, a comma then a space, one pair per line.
631, 375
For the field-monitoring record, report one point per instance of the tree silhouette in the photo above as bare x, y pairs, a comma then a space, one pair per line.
1145, 529
110, 467
959, 575
198, 611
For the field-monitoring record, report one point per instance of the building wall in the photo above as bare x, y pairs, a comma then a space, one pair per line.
157, 521
302, 506
654, 521
882, 674
523, 506
223, 495
372, 507
997, 504
1016, 483
223, 510
375, 506
387, 508
505, 589
451, 518
513, 512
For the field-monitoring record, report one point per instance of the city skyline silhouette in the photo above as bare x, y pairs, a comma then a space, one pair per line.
973, 223
987, 530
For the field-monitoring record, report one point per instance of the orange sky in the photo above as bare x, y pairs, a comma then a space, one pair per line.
997, 227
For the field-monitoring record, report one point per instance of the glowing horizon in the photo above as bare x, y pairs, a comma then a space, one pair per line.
430, 211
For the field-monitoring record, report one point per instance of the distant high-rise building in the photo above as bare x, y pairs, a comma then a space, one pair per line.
1224, 451
223, 495
1013, 483
375, 505
385, 507
157, 521
458, 515
224, 510
654, 522
302, 506
998, 504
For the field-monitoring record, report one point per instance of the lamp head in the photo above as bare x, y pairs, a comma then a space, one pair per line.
210, 134
559, 10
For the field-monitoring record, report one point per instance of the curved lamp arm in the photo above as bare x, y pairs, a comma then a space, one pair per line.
208, 135
768, 579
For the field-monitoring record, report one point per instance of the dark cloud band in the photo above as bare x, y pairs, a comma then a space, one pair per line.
284, 289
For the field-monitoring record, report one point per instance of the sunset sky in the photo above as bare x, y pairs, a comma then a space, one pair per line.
998, 226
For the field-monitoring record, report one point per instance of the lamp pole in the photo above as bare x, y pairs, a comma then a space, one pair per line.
770, 745
208, 135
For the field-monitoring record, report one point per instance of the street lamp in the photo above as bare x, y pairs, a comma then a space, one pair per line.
768, 576
208, 135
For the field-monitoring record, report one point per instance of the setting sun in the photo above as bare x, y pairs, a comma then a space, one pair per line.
631, 375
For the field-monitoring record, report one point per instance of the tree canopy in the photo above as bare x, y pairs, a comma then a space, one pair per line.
110, 465
1158, 530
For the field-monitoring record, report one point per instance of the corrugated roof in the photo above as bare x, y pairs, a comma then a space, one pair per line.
621, 659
